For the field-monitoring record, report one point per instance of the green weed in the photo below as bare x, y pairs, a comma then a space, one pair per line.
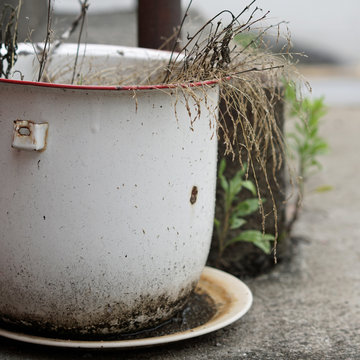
305, 140
234, 212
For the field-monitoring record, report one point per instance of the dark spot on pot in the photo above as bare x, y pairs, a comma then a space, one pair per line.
194, 193
44, 217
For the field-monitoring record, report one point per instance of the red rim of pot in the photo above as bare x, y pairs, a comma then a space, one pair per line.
96, 87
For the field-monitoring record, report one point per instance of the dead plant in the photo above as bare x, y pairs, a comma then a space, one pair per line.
249, 76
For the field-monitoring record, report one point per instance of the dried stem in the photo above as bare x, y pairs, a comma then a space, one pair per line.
70, 30
176, 42
14, 43
8, 45
84, 7
46, 47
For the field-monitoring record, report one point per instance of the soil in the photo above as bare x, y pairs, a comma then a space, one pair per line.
198, 311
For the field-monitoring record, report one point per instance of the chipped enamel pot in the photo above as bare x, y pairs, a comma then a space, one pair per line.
106, 198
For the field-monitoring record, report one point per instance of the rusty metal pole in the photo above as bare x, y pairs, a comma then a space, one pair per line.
157, 20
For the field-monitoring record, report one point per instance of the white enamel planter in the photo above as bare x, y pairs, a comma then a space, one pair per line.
106, 198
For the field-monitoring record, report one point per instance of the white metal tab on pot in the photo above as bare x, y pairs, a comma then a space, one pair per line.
28, 135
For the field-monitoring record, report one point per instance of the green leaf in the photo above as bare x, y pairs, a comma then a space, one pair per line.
223, 182
296, 139
256, 237
222, 167
236, 223
235, 186
242, 171
290, 92
320, 146
313, 131
246, 39
250, 186
299, 128
324, 188
315, 163
264, 245
246, 207
305, 141
217, 224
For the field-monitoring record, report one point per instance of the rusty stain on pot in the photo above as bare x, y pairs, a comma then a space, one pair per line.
194, 193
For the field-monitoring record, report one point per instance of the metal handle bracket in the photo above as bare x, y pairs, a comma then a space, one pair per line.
29, 136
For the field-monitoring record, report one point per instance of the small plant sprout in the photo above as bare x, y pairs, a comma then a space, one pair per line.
234, 212
305, 140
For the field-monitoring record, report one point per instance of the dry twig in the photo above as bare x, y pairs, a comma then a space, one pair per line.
46, 48
8, 45
84, 7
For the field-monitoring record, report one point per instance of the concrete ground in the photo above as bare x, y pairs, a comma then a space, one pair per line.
308, 309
